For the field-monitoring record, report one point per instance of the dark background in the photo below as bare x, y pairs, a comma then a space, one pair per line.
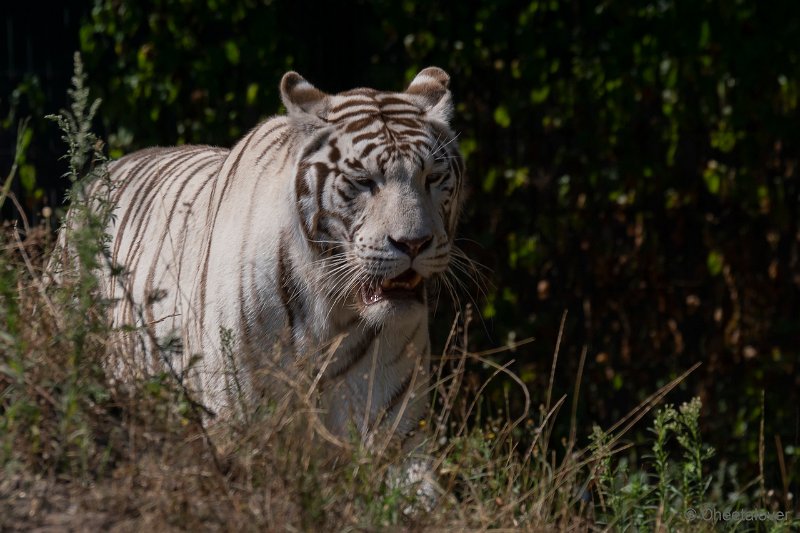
635, 164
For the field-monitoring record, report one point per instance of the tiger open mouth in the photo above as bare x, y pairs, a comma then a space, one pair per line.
407, 285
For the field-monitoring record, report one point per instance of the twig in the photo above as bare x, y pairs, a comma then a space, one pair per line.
555, 360
21, 129
575, 394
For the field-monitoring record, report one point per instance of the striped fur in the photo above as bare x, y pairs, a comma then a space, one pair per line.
279, 239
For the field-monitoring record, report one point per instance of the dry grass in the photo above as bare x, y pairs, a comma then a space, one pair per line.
81, 448
84, 450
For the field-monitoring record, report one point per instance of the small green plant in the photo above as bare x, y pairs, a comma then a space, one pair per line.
663, 426
51, 412
665, 493
695, 454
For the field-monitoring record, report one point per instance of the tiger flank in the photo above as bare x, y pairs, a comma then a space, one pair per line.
312, 239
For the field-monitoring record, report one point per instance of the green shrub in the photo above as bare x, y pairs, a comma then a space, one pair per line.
142, 452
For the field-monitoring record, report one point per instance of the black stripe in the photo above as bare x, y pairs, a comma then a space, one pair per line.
354, 164
316, 144
398, 394
195, 168
301, 184
415, 113
360, 124
368, 149
322, 175
369, 114
275, 145
210, 228
147, 162
357, 353
346, 198
211, 177
150, 189
334, 155
270, 131
390, 100
284, 283
365, 136
404, 350
350, 103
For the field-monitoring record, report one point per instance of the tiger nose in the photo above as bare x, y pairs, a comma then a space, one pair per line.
411, 247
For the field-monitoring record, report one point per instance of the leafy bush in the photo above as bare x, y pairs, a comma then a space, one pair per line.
635, 165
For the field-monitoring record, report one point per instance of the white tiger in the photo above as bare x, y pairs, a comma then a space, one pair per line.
321, 226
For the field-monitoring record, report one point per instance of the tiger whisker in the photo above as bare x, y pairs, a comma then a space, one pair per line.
443, 146
345, 289
476, 277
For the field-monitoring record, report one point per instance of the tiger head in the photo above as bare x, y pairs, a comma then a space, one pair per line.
378, 189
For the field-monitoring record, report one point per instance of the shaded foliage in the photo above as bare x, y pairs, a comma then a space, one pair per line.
635, 164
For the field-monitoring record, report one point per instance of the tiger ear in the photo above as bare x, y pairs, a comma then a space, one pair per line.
300, 97
429, 87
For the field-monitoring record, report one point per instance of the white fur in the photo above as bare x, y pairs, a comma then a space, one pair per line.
210, 245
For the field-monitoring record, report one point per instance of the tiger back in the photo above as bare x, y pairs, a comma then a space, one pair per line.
316, 237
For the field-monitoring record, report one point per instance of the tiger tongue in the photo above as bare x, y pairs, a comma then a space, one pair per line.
408, 280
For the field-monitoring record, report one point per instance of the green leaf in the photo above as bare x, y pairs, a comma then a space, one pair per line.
232, 52
490, 180
27, 177
715, 261
713, 179
502, 117
27, 135
252, 93
540, 95
705, 35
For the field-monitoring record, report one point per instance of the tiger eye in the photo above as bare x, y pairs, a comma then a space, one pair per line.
368, 182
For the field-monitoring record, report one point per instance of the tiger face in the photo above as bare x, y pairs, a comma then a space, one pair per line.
378, 190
